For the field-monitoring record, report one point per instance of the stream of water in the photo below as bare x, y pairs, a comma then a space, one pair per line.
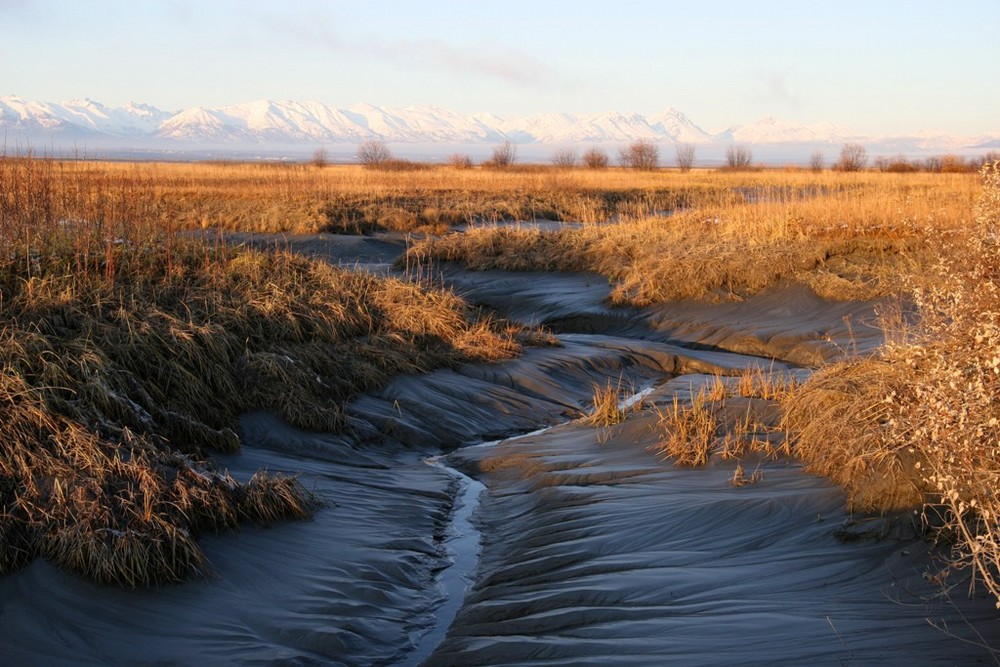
462, 542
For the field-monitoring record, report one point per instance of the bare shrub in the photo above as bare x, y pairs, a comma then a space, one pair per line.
895, 165
685, 157
373, 153
460, 161
816, 162
564, 158
595, 158
320, 158
738, 158
853, 157
640, 154
503, 156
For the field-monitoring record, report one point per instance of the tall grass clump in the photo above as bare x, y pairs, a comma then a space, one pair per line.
606, 405
127, 353
920, 422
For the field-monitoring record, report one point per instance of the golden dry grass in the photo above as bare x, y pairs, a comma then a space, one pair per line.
606, 408
849, 236
127, 352
351, 199
732, 418
920, 422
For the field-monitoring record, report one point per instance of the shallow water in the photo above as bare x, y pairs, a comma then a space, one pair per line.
462, 541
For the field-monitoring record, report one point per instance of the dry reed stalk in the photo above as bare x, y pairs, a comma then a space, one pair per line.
690, 431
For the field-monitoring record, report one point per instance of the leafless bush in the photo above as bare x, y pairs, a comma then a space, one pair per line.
460, 161
320, 157
853, 157
504, 155
640, 154
595, 158
738, 158
954, 164
564, 158
373, 153
685, 157
896, 165
816, 162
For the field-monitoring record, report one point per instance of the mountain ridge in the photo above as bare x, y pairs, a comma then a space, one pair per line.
266, 122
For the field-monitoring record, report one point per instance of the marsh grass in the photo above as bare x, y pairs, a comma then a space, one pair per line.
690, 432
849, 236
731, 418
127, 353
920, 421
353, 199
606, 405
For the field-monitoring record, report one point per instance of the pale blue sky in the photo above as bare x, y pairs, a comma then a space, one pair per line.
875, 66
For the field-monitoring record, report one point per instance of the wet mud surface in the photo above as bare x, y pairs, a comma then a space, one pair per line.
586, 547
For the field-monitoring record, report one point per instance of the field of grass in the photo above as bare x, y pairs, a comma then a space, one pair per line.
919, 422
848, 235
128, 352
301, 198
129, 349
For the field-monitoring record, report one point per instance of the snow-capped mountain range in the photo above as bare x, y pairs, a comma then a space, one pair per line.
289, 123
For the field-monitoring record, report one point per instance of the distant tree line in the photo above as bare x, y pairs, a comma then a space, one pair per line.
644, 155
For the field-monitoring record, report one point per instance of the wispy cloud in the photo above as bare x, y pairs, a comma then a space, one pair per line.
507, 64
772, 88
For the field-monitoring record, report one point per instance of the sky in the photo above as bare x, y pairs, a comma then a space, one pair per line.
876, 66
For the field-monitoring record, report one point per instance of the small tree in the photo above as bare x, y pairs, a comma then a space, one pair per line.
373, 153
504, 155
640, 154
595, 158
320, 157
816, 161
564, 158
738, 158
853, 157
685, 157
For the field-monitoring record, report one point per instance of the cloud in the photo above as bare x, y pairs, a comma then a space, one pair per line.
772, 89
507, 65
516, 68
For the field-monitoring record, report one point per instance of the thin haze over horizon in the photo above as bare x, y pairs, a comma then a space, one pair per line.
876, 67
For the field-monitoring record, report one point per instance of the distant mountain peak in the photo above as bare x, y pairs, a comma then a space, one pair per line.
287, 122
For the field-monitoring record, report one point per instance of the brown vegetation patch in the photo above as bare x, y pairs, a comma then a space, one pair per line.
849, 236
126, 354
920, 422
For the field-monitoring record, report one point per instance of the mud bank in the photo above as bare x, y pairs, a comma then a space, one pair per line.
597, 552
361, 583
593, 549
